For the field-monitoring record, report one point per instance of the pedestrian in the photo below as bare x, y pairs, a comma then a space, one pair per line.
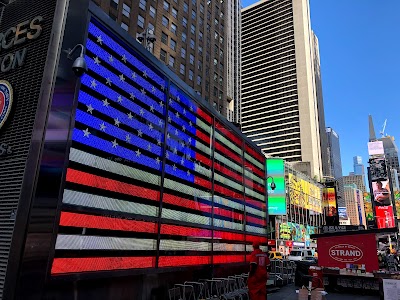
258, 274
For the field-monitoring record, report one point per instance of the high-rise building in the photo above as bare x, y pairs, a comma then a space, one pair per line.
191, 38
357, 180
334, 158
233, 24
358, 165
321, 111
279, 97
354, 201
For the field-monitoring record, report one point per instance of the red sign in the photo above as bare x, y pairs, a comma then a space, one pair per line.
337, 251
271, 243
289, 244
384, 216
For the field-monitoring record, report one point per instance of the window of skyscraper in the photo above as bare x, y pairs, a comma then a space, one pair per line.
142, 5
114, 3
126, 10
174, 12
171, 61
184, 22
191, 59
124, 26
191, 75
166, 5
165, 21
173, 28
192, 29
183, 37
164, 38
192, 43
200, 36
183, 52
182, 69
173, 44
140, 21
199, 80
201, 8
152, 11
193, 15
163, 55
185, 7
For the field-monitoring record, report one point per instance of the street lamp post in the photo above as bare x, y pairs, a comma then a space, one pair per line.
273, 187
146, 38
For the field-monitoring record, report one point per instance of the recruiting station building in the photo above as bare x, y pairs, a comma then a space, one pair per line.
118, 184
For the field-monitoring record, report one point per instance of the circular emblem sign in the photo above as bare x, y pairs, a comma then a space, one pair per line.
6, 99
346, 253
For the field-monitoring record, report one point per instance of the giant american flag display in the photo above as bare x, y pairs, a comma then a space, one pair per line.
154, 179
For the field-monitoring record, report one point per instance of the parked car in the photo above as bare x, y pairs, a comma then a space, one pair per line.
275, 255
299, 254
311, 259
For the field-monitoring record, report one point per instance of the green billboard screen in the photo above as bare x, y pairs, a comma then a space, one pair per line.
277, 197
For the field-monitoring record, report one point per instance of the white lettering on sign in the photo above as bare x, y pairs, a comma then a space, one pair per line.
346, 253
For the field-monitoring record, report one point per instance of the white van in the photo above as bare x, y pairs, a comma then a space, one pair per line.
299, 254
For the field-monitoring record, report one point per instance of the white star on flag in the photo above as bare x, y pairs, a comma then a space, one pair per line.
170, 101
151, 108
100, 40
119, 99
162, 87
184, 112
90, 109
169, 119
168, 136
150, 127
160, 122
110, 59
166, 154
108, 81
97, 60
86, 132
130, 116
182, 144
138, 153
133, 75
132, 96
153, 89
190, 124
114, 143
93, 84
103, 127
175, 150
188, 156
183, 128
143, 91
191, 108
182, 161
178, 98
124, 58
139, 133
188, 173
144, 74
117, 122
158, 142
190, 140
161, 104
174, 167
149, 147
177, 115
141, 112
176, 132
105, 102
128, 138
121, 77
157, 160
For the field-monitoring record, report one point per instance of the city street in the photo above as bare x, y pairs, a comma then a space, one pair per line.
289, 293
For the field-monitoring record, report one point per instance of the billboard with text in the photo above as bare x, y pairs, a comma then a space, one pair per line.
276, 197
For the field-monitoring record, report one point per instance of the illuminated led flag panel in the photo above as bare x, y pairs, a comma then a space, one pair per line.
277, 197
130, 126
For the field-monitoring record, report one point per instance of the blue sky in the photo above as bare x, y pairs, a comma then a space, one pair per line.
360, 66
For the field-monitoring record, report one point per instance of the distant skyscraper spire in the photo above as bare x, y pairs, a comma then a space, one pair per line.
372, 136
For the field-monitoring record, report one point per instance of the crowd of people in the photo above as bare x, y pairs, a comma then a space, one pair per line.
389, 260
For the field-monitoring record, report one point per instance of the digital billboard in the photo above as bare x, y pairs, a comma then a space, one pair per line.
369, 213
154, 180
329, 196
304, 194
383, 204
277, 197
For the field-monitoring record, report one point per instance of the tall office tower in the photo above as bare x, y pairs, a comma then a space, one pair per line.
354, 201
190, 38
279, 101
320, 108
358, 165
357, 180
335, 160
233, 24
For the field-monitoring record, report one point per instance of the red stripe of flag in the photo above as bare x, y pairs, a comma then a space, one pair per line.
227, 172
204, 115
256, 220
228, 236
173, 261
227, 192
224, 259
253, 238
202, 182
228, 213
203, 159
256, 203
255, 186
185, 231
205, 138
228, 134
77, 265
254, 169
254, 154
222, 148
103, 183
89, 221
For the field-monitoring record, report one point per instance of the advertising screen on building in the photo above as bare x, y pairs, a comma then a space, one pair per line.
383, 204
139, 189
375, 148
369, 213
304, 194
277, 197
329, 196
397, 202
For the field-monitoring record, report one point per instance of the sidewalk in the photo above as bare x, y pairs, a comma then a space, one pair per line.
289, 293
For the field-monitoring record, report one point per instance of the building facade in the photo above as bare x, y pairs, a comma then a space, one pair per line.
358, 180
358, 166
191, 38
279, 97
354, 201
335, 160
